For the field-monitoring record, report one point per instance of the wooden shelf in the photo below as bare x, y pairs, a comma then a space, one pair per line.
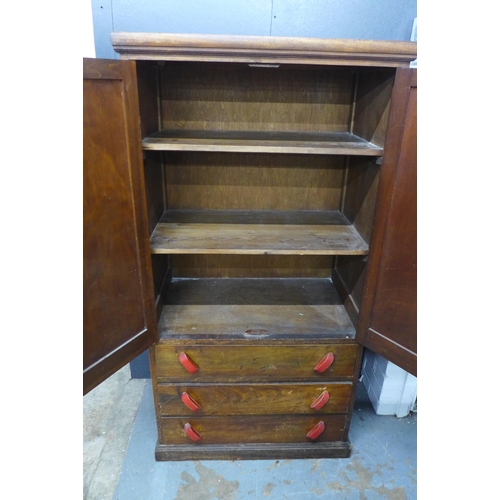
254, 308
334, 143
256, 233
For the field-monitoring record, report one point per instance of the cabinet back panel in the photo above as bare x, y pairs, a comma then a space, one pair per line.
240, 97
251, 266
253, 181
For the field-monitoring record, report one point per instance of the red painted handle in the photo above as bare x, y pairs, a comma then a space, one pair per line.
316, 431
192, 433
325, 363
320, 401
187, 363
190, 402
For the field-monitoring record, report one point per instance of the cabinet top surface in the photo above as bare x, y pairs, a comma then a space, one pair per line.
263, 49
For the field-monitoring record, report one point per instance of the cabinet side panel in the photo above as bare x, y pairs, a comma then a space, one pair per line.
155, 191
373, 98
148, 84
348, 275
361, 193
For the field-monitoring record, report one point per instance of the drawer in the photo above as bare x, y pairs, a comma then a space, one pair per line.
254, 399
252, 429
260, 363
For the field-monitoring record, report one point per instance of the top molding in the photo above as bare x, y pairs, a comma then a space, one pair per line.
262, 49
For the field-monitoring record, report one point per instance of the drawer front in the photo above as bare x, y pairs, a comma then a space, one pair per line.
249, 429
254, 399
225, 363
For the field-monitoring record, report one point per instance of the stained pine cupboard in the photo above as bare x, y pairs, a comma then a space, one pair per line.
250, 217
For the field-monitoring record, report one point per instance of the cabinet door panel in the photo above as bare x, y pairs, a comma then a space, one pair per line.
388, 320
119, 318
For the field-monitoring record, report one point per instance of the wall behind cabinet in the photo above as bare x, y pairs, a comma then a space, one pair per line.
362, 19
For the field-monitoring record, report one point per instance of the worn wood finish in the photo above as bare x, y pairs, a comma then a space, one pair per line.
259, 363
260, 308
252, 429
118, 314
249, 451
185, 342
245, 321
253, 181
334, 143
256, 239
388, 320
248, 399
262, 49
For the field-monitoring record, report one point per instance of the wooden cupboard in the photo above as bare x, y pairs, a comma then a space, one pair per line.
250, 217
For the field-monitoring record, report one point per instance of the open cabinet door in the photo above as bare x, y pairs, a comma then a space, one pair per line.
388, 318
118, 303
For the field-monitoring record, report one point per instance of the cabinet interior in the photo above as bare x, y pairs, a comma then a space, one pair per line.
261, 183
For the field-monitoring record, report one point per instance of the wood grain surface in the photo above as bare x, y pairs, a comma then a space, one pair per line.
237, 181
263, 49
259, 363
235, 236
254, 399
252, 309
251, 429
119, 320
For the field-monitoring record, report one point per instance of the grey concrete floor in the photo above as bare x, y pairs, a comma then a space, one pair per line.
109, 413
119, 464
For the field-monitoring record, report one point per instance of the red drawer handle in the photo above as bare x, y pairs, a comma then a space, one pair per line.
325, 363
192, 433
190, 402
316, 431
187, 363
320, 401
